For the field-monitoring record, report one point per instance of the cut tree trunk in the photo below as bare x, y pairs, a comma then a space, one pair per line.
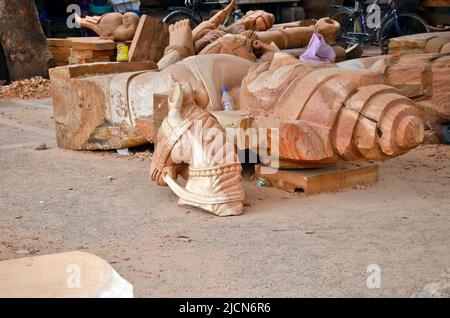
24, 45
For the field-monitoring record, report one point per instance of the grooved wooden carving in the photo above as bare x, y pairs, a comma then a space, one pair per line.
326, 115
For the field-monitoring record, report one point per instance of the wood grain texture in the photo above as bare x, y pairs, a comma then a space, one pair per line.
81, 104
150, 40
322, 180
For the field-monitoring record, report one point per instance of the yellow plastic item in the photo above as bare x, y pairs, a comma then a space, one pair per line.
122, 53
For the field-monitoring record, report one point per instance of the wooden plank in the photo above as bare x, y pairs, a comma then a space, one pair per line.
57, 42
80, 60
150, 40
92, 54
315, 181
73, 71
93, 44
66, 51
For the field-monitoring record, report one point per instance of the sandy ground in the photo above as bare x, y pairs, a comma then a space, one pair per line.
285, 245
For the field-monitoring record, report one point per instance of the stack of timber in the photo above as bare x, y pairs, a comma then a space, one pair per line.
82, 50
436, 42
61, 50
91, 50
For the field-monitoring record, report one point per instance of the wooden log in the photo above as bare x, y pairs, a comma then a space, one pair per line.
81, 103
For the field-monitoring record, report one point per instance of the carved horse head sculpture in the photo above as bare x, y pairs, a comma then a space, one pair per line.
193, 145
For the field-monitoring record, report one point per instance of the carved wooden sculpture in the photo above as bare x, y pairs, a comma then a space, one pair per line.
258, 20
299, 36
326, 115
284, 92
190, 135
101, 106
422, 77
112, 26
208, 39
240, 45
181, 44
211, 25
437, 42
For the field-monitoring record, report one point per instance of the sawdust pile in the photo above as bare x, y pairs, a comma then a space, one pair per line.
33, 88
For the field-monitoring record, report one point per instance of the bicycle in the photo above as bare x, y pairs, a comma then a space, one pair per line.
192, 12
393, 23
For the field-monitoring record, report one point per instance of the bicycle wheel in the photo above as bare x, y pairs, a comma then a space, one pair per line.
176, 16
407, 24
348, 25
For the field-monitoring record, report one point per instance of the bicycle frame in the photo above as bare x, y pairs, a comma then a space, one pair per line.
359, 13
192, 8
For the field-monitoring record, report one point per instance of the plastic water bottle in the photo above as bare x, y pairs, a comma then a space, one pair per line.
227, 100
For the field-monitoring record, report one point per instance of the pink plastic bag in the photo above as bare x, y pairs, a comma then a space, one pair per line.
318, 50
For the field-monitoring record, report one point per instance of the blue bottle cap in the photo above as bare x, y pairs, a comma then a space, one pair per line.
225, 90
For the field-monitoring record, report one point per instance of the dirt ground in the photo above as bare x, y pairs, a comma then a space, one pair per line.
285, 245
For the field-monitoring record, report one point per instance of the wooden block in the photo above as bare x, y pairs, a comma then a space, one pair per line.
95, 44
92, 54
66, 51
321, 180
61, 63
76, 60
66, 275
150, 40
61, 58
57, 42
